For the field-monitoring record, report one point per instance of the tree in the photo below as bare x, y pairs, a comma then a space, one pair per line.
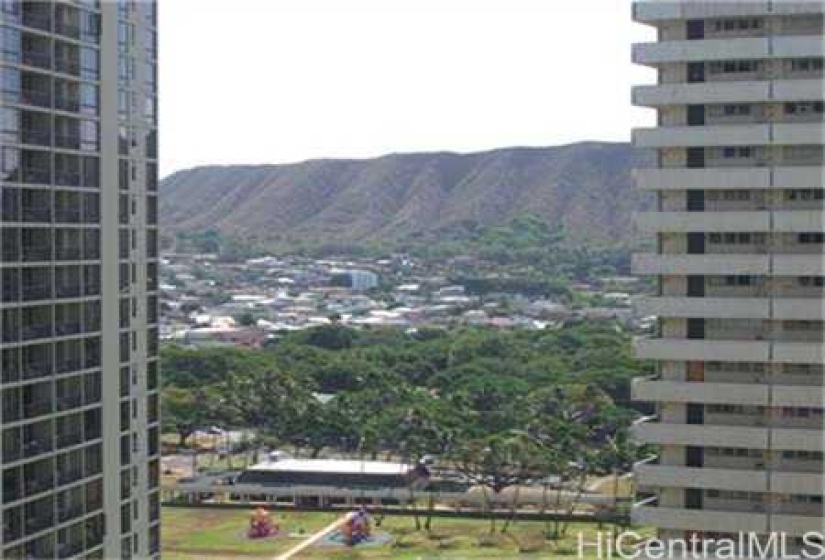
274, 401
182, 413
576, 429
187, 410
246, 319
494, 463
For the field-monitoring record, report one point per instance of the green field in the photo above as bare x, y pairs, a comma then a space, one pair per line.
192, 533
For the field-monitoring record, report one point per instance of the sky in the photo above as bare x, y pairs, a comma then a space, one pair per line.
277, 81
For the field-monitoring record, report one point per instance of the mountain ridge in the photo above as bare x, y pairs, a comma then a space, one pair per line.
405, 197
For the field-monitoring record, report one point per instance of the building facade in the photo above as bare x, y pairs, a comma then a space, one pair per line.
78, 312
738, 231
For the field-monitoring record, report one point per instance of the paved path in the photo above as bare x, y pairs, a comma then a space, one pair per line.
313, 539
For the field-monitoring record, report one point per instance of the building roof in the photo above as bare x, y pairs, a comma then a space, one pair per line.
332, 466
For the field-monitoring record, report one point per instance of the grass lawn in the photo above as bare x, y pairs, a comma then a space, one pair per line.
213, 534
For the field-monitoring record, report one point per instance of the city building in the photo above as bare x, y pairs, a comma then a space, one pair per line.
738, 176
361, 280
78, 312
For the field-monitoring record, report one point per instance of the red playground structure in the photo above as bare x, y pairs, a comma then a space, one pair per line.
261, 524
356, 528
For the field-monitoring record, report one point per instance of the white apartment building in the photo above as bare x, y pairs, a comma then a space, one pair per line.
78, 265
738, 175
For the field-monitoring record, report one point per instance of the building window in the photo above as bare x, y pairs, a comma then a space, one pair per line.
89, 63
804, 108
742, 152
11, 44
806, 64
812, 237
809, 281
733, 66
739, 24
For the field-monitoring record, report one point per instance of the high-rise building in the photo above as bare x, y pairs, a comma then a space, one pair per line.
78, 309
738, 234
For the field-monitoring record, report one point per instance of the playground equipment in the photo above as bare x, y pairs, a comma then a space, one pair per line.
261, 524
356, 529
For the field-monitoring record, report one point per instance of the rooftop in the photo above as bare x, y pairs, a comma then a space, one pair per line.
340, 466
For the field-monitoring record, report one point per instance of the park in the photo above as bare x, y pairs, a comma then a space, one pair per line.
220, 533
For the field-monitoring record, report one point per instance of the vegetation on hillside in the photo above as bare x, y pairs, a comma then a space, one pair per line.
346, 206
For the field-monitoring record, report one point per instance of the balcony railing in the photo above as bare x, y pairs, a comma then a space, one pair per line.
36, 97
65, 366
67, 178
37, 136
66, 513
35, 447
68, 141
38, 484
67, 66
70, 400
32, 332
32, 292
67, 215
92, 289
36, 253
67, 476
38, 176
69, 439
70, 104
69, 29
68, 290
32, 370
38, 407
67, 328
67, 254
37, 214
35, 524
38, 59
36, 19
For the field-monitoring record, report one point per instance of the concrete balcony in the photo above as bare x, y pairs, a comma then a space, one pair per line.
687, 477
664, 52
648, 390
796, 524
727, 221
703, 350
800, 309
798, 483
701, 520
798, 220
701, 435
690, 94
789, 134
730, 178
799, 352
794, 395
798, 265
797, 46
802, 177
704, 179
701, 136
684, 222
726, 92
652, 11
795, 439
651, 263
746, 394
796, 90
708, 307
730, 350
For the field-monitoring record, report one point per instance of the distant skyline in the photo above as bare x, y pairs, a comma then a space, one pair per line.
277, 81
